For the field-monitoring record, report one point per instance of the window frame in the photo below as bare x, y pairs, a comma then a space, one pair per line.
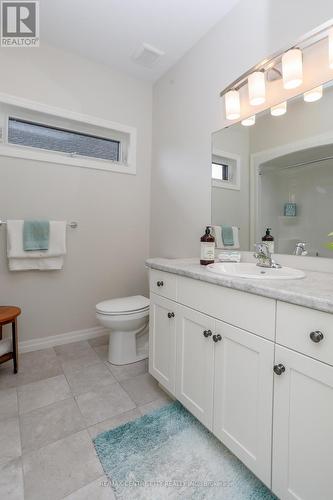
58, 157
222, 165
230, 184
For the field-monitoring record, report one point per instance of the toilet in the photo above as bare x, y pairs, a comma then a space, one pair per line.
127, 320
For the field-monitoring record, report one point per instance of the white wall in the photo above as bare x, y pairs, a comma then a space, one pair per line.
106, 253
187, 109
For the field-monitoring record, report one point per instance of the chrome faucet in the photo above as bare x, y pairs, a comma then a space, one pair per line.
264, 256
300, 248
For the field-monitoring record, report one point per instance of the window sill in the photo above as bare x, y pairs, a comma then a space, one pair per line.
62, 159
225, 185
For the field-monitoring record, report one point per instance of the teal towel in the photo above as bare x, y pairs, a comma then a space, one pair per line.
227, 236
36, 235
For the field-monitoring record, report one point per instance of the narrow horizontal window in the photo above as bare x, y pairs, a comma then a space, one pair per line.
36, 135
220, 171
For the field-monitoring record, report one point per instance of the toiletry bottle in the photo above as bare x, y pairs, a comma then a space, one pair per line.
269, 239
207, 253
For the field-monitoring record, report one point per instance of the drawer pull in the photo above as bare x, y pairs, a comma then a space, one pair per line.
279, 369
316, 336
160, 283
171, 315
217, 338
207, 333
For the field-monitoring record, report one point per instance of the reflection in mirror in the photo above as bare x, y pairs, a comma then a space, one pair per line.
230, 184
290, 161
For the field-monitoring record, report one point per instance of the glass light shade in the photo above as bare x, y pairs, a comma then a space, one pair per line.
249, 121
313, 94
257, 88
279, 109
330, 48
232, 105
292, 68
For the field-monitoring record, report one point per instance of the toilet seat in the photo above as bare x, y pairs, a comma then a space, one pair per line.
123, 306
123, 314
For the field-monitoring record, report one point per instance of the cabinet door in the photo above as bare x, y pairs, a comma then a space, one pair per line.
195, 359
243, 397
302, 428
162, 335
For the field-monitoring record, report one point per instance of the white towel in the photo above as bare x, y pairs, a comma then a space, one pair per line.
57, 241
229, 256
217, 233
43, 264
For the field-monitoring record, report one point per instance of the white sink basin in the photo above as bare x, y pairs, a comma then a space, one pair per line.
249, 270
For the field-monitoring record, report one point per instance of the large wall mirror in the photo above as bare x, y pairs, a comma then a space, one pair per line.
278, 174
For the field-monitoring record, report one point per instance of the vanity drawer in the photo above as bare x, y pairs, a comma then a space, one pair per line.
164, 284
295, 324
247, 311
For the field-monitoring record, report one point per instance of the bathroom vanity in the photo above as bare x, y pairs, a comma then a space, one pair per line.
253, 361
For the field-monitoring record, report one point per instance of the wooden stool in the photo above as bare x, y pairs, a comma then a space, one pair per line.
8, 314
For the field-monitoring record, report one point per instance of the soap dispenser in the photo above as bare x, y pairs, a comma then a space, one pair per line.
207, 251
269, 240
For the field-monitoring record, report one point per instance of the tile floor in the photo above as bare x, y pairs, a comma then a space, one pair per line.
51, 410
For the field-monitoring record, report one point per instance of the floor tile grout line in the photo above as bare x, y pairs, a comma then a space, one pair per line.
73, 396
37, 450
76, 403
114, 416
78, 489
84, 420
65, 399
45, 406
49, 404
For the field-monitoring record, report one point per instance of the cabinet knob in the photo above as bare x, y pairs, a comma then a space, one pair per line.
160, 283
207, 333
279, 369
217, 337
171, 315
316, 336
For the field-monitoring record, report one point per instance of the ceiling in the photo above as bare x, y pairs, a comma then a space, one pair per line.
110, 31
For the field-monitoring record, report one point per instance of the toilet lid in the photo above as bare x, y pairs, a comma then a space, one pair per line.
123, 305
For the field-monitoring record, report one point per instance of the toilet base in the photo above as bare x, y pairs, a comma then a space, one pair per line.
123, 347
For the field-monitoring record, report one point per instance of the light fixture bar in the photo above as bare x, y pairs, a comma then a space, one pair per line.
304, 42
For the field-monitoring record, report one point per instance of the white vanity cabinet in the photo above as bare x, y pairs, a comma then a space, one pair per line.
243, 396
195, 363
303, 428
255, 371
162, 338
219, 372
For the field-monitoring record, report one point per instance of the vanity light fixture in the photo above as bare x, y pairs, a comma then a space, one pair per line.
279, 109
313, 94
257, 88
285, 65
232, 105
247, 122
330, 48
292, 68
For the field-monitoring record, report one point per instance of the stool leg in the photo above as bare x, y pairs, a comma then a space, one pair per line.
15, 350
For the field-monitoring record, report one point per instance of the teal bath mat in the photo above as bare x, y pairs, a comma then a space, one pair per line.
168, 454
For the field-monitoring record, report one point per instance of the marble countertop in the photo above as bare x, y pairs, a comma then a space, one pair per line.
314, 291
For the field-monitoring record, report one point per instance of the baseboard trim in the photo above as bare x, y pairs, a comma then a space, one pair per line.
62, 338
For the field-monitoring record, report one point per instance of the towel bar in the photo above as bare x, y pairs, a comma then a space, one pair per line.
72, 224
